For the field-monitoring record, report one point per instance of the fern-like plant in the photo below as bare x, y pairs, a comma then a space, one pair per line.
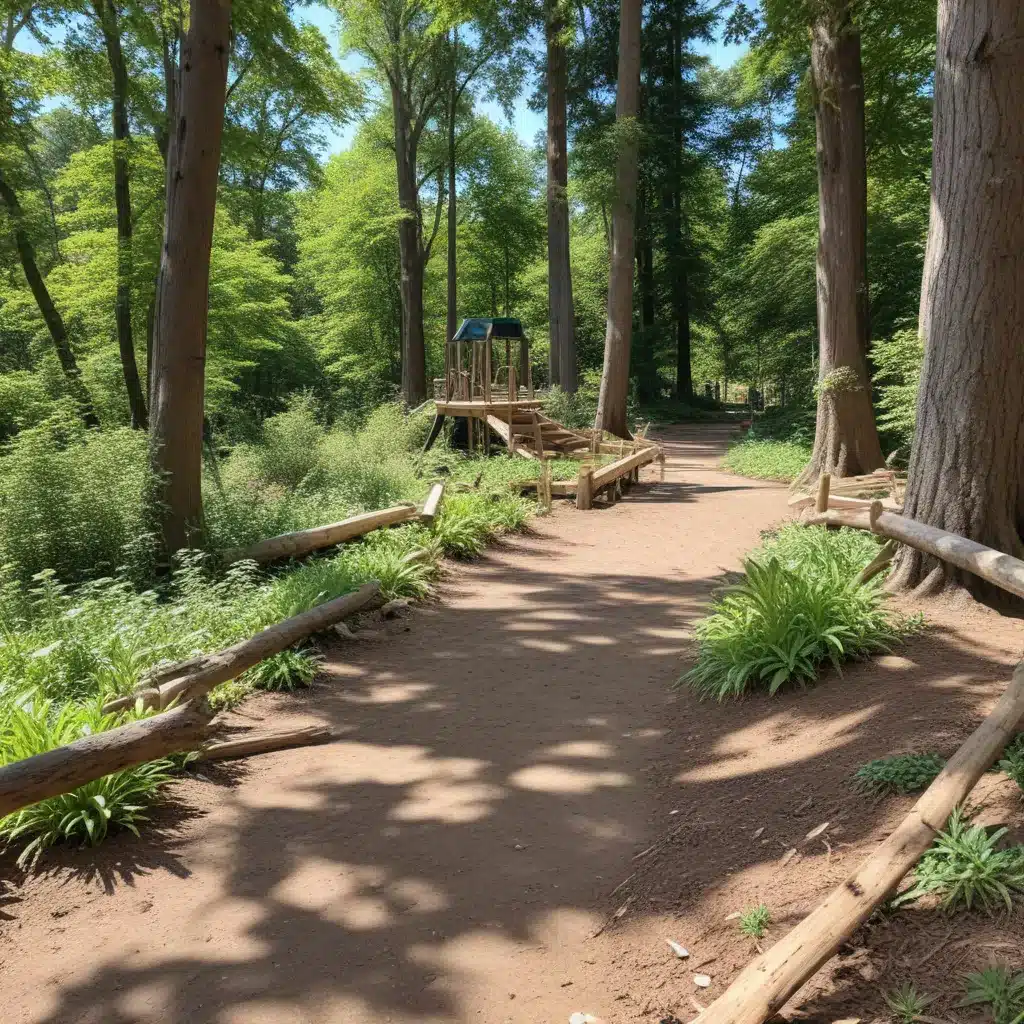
904, 773
1012, 761
287, 670
999, 988
966, 867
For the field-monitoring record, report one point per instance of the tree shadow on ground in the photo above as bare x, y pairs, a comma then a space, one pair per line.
497, 772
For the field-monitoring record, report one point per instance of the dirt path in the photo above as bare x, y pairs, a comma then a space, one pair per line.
504, 756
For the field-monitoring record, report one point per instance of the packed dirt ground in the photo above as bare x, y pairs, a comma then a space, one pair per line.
519, 809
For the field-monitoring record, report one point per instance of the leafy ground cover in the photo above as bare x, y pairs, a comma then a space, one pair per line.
777, 446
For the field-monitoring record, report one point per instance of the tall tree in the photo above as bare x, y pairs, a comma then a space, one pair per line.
611, 403
562, 329
966, 470
406, 43
179, 340
845, 440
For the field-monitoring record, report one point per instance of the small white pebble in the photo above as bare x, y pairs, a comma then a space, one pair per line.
702, 981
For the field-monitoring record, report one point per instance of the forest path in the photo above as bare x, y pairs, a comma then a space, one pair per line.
449, 856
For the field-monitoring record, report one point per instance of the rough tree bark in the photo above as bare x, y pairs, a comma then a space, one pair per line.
611, 403
680, 285
561, 316
179, 337
452, 315
107, 17
410, 246
965, 470
54, 321
845, 440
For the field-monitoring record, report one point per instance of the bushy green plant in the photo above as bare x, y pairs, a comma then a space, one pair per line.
906, 1003
288, 670
71, 500
1012, 761
904, 773
1001, 990
88, 813
897, 376
966, 867
464, 527
767, 460
755, 920
797, 609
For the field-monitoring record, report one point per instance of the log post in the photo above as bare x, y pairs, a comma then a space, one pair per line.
584, 488
821, 502
432, 504
766, 983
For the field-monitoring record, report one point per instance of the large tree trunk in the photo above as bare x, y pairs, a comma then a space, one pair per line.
611, 404
179, 340
680, 285
965, 471
54, 321
451, 318
562, 328
107, 15
845, 441
414, 356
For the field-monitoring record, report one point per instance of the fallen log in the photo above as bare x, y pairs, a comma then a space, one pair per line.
766, 983
606, 475
264, 743
841, 501
995, 566
877, 564
432, 504
204, 674
302, 542
66, 768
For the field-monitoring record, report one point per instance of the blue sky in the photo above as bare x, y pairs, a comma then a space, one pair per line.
527, 123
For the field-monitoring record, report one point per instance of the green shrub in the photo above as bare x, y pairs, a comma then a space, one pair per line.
71, 500
897, 376
1001, 990
767, 460
797, 609
904, 773
754, 921
287, 670
90, 812
1012, 761
966, 867
906, 1003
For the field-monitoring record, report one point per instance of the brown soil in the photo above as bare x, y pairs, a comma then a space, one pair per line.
477, 844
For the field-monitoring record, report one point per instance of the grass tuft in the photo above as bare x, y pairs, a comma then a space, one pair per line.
966, 867
287, 670
755, 920
1001, 990
906, 1003
797, 609
904, 773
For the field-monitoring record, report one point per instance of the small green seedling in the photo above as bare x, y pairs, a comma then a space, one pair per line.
755, 920
905, 773
906, 1003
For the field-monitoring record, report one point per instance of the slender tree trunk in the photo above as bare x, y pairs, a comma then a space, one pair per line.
452, 315
179, 339
680, 285
643, 356
107, 15
845, 441
414, 357
54, 321
611, 403
966, 466
561, 319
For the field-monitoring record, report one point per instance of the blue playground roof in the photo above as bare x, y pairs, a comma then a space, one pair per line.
474, 328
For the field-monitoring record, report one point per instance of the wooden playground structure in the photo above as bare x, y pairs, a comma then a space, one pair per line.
488, 382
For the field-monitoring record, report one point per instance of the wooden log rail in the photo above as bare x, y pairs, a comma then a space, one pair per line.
1003, 570
302, 542
432, 505
766, 983
198, 676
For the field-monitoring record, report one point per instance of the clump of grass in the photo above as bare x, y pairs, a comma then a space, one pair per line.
754, 921
86, 814
999, 988
286, 671
906, 1003
966, 867
904, 773
798, 609
1012, 761
767, 459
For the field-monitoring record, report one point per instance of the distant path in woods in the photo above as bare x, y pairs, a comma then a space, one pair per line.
449, 856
